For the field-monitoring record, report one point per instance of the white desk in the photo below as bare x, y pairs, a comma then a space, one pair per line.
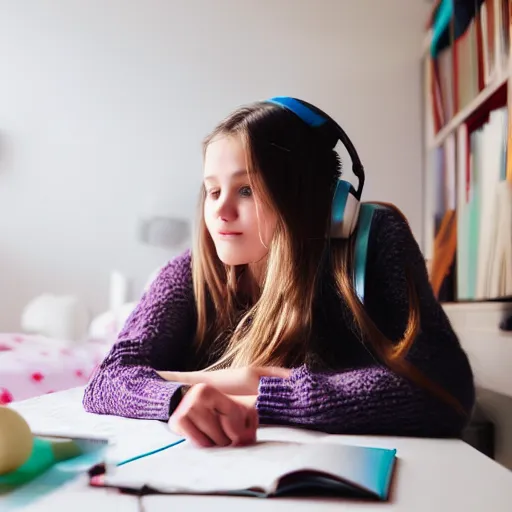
431, 475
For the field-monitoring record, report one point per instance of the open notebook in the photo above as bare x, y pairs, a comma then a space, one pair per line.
266, 469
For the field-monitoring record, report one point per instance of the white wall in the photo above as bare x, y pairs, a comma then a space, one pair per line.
104, 103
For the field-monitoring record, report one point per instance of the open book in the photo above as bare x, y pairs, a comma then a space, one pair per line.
266, 469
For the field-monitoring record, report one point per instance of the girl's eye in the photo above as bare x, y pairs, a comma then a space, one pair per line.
246, 192
213, 193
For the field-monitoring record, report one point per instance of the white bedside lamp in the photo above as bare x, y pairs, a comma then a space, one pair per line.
164, 232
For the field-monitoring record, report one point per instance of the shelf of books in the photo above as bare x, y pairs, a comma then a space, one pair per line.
467, 86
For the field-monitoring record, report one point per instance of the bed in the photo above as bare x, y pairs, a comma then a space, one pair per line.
33, 365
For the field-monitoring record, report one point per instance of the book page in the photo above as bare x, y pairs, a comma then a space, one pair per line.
185, 468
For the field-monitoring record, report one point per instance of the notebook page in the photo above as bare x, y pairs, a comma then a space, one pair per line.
186, 468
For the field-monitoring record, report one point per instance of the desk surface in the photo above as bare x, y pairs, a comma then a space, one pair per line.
431, 474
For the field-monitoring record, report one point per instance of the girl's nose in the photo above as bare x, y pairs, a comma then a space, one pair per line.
226, 209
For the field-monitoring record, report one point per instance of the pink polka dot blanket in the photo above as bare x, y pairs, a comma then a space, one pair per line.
33, 365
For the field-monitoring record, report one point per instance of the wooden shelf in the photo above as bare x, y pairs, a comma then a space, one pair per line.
467, 111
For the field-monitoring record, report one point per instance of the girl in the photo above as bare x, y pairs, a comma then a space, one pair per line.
261, 322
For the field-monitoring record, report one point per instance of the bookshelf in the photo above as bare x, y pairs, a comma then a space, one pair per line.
467, 150
466, 112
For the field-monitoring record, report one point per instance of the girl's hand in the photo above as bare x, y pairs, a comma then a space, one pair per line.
236, 381
208, 417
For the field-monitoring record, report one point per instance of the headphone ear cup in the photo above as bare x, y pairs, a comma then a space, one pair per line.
362, 237
344, 211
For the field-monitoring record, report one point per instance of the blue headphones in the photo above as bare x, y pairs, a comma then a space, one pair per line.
347, 212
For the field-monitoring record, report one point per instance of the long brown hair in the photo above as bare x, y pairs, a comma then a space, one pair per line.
294, 172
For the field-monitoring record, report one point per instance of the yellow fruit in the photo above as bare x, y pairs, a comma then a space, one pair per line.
15, 440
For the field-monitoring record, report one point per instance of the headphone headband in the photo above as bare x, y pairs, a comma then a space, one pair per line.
318, 119
347, 212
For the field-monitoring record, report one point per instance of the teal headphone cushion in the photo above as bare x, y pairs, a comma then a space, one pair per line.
366, 213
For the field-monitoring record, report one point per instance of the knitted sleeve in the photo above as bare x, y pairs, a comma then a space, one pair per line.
159, 329
371, 399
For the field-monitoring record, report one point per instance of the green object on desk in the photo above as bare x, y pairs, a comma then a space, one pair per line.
50, 465
41, 459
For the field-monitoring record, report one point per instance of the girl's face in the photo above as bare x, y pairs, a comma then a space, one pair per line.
240, 225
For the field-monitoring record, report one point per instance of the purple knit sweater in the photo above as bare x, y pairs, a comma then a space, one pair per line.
360, 396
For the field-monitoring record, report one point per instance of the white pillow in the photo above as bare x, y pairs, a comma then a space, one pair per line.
107, 325
62, 317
